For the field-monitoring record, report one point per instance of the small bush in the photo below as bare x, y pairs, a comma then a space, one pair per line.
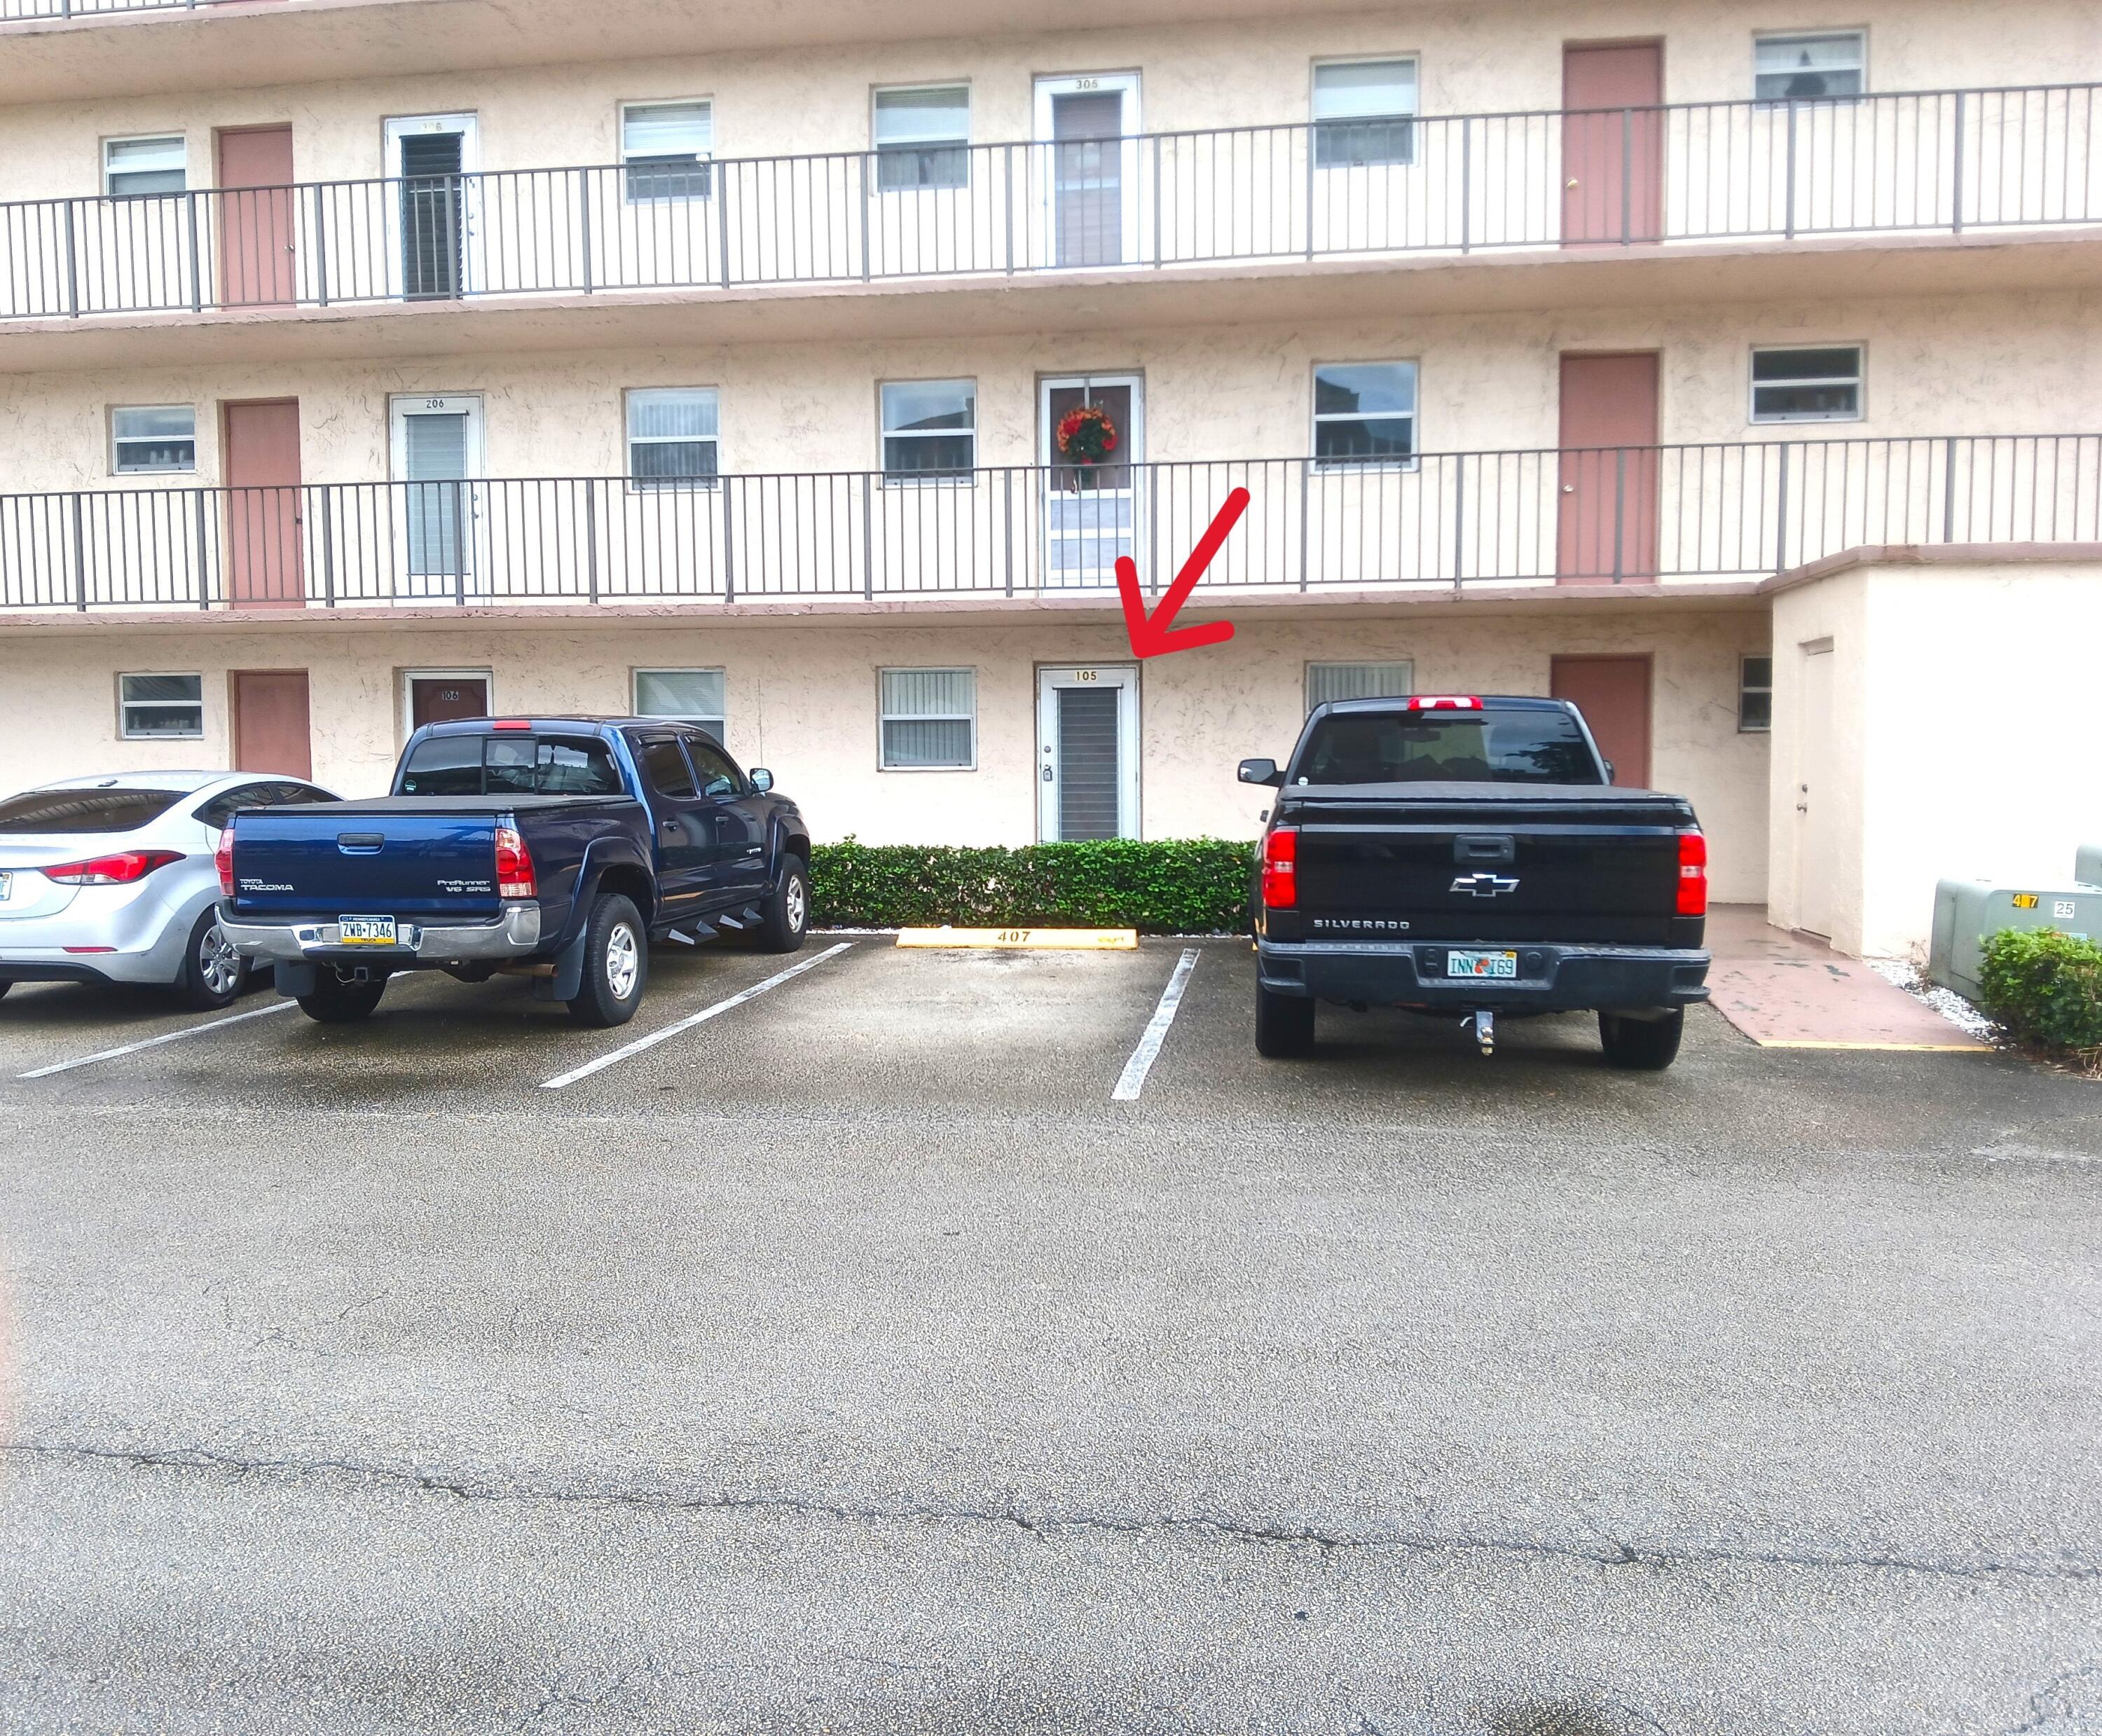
1181, 886
2044, 987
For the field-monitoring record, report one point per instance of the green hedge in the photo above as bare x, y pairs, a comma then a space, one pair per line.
2044, 987
1182, 886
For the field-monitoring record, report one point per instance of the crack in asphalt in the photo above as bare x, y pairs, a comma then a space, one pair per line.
1047, 1527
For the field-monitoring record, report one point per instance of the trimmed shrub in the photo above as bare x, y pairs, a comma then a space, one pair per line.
1180, 886
2044, 987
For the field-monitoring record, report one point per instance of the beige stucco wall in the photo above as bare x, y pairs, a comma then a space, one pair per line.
2007, 363
802, 699
1473, 60
1964, 739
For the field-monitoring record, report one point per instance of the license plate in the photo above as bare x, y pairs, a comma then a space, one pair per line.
366, 931
1481, 964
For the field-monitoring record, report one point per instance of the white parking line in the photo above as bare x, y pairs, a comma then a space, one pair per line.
1135, 1070
688, 1023
154, 1042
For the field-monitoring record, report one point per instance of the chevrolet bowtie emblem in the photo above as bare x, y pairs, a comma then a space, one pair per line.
1484, 885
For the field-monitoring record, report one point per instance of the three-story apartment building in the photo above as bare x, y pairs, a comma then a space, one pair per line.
1732, 369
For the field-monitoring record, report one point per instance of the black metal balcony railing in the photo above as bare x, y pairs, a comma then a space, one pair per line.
16, 11
1446, 520
1924, 161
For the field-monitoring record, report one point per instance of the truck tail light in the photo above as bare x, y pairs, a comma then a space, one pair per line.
120, 869
1444, 702
514, 866
1692, 874
223, 858
1280, 869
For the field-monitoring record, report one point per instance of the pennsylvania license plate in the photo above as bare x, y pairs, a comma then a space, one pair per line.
366, 931
1481, 964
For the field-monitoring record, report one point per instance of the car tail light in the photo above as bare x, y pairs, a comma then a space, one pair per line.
223, 858
514, 866
1444, 702
1692, 874
120, 869
1280, 869
512, 723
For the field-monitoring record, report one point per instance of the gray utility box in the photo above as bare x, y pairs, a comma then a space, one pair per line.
1966, 912
2087, 865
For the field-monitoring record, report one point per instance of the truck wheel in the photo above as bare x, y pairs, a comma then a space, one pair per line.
335, 1001
213, 973
785, 917
1641, 1045
1284, 1024
616, 964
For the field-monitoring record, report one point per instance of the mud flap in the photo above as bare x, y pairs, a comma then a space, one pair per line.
567, 981
294, 980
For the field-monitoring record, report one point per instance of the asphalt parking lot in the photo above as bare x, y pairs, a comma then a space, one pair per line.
856, 1358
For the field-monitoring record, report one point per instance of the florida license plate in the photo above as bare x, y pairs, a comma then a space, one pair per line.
1481, 964
366, 931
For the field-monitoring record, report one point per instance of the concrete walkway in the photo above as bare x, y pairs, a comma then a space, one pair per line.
1791, 991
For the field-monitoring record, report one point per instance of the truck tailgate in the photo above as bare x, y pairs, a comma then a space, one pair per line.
350, 859
1587, 866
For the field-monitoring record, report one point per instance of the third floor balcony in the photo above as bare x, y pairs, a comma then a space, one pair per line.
1782, 180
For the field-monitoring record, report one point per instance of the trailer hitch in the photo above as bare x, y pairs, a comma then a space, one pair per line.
1485, 1030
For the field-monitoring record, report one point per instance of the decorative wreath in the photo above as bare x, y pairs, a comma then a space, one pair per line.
1086, 435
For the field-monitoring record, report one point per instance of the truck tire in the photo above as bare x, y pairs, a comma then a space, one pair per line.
616, 964
785, 918
214, 974
1284, 1024
1641, 1045
335, 1001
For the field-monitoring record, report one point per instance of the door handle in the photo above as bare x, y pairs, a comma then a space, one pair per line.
1568, 487
1572, 185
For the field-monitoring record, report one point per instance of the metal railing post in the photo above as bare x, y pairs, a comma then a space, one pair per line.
1008, 152
1305, 470
1620, 510
1466, 183
327, 494
321, 251
1156, 200
1949, 490
197, 264
1956, 173
1313, 132
584, 225
1788, 221
1781, 515
720, 177
79, 552
73, 260
1459, 519
861, 165
459, 543
203, 564
731, 491
591, 539
1627, 171
867, 537
1007, 541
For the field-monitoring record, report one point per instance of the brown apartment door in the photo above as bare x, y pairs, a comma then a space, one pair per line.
1607, 522
263, 514
1612, 142
1613, 695
256, 255
272, 727
441, 698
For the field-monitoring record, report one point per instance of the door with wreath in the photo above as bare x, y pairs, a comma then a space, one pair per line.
1092, 477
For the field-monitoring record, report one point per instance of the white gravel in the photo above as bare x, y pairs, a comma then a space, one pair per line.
1946, 1002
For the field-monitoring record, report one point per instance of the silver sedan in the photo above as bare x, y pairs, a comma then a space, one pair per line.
111, 880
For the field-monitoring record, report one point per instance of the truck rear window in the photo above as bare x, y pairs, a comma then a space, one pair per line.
85, 810
1498, 747
510, 765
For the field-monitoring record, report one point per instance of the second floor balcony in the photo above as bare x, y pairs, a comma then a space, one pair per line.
1684, 518
1683, 177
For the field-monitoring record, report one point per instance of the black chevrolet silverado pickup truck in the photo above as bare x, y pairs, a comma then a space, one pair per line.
1468, 856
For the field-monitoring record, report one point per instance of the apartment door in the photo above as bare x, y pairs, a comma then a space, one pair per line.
437, 456
1817, 814
273, 725
1090, 508
256, 247
1607, 471
440, 696
1612, 142
264, 505
432, 159
1087, 127
1087, 722
1613, 695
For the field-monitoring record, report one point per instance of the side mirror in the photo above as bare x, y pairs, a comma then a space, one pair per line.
1261, 772
762, 780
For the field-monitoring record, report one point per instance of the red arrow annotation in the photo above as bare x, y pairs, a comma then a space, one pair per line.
1150, 634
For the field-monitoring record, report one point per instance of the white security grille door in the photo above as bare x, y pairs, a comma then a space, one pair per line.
1326, 682
437, 460
1087, 762
432, 159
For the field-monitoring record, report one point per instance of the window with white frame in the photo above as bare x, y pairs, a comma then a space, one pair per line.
665, 148
923, 137
1326, 682
148, 706
1364, 113
140, 168
930, 720
1364, 413
1810, 67
146, 438
1820, 383
1755, 694
693, 696
930, 428
672, 436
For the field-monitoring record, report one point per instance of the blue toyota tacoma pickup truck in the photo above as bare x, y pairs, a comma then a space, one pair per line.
556, 847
